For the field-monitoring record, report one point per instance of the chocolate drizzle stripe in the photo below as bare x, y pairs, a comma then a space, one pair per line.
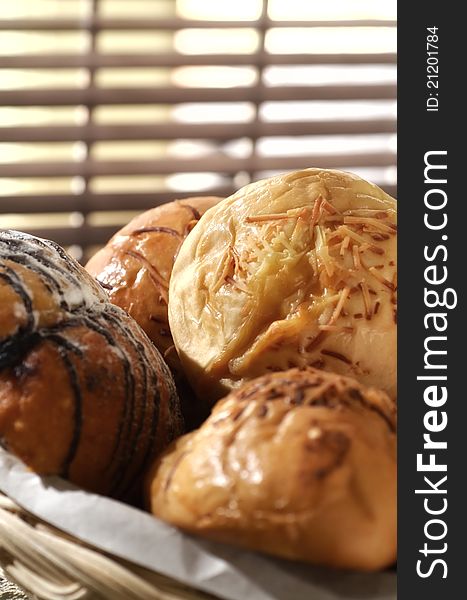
173, 417
23, 247
140, 402
123, 424
151, 438
125, 436
78, 408
14, 348
19, 251
140, 417
12, 279
16, 345
64, 344
143, 230
47, 279
196, 214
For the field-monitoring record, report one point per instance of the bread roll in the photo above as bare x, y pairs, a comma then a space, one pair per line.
300, 464
295, 270
135, 268
83, 392
136, 264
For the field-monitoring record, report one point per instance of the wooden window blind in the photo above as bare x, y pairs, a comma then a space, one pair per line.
110, 107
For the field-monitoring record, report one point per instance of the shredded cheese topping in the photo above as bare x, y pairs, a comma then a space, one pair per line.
306, 263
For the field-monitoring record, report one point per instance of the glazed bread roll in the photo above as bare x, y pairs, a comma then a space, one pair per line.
295, 270
136, 264
83, 393
299, 464
135, 268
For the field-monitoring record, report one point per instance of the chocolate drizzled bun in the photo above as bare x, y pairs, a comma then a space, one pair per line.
299, 464
83, 392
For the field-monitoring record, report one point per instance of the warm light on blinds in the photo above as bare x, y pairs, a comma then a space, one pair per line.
109, 107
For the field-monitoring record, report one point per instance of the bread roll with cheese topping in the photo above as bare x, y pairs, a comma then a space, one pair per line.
299, 464
295, 270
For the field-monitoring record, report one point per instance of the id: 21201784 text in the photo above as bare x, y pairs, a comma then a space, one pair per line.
432, 69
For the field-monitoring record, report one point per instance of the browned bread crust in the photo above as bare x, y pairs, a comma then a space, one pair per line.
300, 464
83, 392
136, 264
135, 269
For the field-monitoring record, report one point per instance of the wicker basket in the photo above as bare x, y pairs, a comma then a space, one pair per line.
52, 566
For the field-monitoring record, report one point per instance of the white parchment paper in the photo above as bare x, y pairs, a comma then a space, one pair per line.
129, 533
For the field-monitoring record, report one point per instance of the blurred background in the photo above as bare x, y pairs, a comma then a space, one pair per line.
110, 107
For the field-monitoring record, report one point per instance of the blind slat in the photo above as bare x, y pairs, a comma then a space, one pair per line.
174, 59
57, 203
221, 164
173, 131
52, 203
173, 24
173, 95
80, 236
